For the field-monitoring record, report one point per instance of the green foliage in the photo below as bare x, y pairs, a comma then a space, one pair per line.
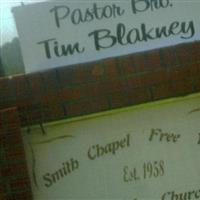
1, 69
12, 62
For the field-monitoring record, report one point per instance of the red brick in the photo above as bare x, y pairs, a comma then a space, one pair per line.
19, 168
104, 88
153, 60
9, 116
66, 76
195, 52
75, 109
127, 65
183, 55
36, 114
19, 184
182, 87
7, 95
14, 153
21, 88
21, 195
14, 169
140, 95
197, 84
9, 137
87, 106
162, 91
50, 98
194, 69
148, 79
1, 190
81, 74
54, 112
179, 73
95, 80
49, 80
35, 87
139, 62
116, 85
134, 81
119, 100
97, 89
110, 67
97, 71
153, 78
173, 89
169, 57
35, 83
68, 94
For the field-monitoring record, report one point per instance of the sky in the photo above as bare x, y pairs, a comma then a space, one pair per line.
7, 25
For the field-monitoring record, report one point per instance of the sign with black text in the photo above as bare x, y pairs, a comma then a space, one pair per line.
61, 33
140, 153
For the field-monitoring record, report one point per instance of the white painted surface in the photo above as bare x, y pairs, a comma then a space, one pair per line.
103, 177
36, 23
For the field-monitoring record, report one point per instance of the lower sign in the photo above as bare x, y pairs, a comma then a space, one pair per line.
150, 152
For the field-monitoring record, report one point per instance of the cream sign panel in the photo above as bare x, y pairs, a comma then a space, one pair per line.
60, 33
137, 154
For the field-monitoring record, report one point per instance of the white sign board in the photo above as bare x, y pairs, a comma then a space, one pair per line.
138, 154
61, 33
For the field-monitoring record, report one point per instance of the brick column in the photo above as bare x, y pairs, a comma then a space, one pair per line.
14, 179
